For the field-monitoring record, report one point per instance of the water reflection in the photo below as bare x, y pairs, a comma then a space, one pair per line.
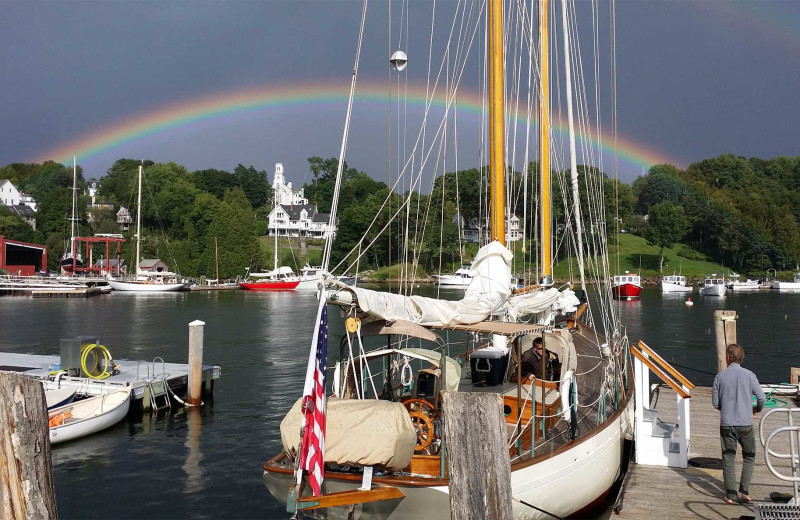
195, 476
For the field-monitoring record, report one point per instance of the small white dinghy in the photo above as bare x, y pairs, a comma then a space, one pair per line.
60, 396
88, 416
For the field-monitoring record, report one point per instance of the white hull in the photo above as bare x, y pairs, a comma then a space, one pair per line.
668, 287
90, 416
786, 286
713, 290
453, 281
744, 287
563, 484
309, 284
132, 286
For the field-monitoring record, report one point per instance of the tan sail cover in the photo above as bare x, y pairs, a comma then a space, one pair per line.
365, 432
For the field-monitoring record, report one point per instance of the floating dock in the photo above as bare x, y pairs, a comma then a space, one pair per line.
86, 292
149, 380
698, 491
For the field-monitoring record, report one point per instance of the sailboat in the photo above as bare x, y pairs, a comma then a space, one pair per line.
283, 278
146, 281
72, 258
375, 446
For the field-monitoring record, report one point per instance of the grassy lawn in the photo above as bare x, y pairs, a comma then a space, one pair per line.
289, 252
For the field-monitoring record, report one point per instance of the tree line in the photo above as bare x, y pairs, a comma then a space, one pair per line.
740, 212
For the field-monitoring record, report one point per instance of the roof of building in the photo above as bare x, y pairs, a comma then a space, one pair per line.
294, 210
123, 210
150, 262
112, 262
322, 217
22, 210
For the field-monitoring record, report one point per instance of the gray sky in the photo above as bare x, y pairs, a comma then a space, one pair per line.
695, 79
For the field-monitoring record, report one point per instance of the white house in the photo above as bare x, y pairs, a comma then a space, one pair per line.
299, 221
293, 216
472, 232
9, 194
27, 214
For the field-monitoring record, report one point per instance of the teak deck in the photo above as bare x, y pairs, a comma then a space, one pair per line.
673, 493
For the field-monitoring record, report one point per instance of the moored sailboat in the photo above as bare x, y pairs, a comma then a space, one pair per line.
146, 281
377, 442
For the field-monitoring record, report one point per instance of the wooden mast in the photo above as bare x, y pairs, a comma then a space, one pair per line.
544, 145
496, 131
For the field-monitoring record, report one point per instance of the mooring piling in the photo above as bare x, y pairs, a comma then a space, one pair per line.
194, 393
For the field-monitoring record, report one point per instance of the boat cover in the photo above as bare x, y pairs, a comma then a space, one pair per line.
362, 432
485, 296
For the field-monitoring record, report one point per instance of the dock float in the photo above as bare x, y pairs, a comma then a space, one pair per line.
698, 491
87, 292
148, 380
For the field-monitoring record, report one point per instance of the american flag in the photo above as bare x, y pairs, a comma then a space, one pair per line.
312, 453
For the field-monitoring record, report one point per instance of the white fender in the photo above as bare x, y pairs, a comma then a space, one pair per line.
337, 377
566, 390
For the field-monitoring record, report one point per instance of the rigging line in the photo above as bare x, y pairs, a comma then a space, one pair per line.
389, 129
326, 256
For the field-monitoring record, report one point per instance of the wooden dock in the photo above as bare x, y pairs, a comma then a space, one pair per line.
87, 292
673, 493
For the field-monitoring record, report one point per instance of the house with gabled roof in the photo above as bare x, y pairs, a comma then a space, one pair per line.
293, 216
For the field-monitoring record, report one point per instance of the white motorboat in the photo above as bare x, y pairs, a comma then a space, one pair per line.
788, 286
748, 285
713, 287
461, 278
675, 284
82, 418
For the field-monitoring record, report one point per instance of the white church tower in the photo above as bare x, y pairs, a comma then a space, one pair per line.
284, 194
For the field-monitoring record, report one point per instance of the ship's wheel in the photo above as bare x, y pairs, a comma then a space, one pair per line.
424, 427
420, 405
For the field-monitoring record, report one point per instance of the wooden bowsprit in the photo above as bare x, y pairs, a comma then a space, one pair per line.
349, 498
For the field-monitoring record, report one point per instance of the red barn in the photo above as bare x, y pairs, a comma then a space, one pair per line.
22, 258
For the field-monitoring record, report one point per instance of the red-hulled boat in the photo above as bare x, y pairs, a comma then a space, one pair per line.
626, 286
280, 279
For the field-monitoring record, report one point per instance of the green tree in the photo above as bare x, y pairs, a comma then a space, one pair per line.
233, 227
666, 226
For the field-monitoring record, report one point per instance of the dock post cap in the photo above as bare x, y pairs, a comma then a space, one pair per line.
197, 323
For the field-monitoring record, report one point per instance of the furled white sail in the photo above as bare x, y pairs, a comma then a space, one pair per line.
543, 304
486, 295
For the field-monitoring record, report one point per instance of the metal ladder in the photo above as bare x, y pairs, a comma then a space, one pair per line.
157, 388
768, 511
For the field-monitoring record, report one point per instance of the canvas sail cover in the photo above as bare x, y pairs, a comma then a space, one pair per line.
485, 296
361, 432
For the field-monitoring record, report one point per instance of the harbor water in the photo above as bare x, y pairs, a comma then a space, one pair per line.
207, 463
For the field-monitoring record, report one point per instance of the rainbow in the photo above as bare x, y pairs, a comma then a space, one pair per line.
248, 101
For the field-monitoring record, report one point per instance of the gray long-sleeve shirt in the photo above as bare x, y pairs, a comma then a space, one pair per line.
732, 394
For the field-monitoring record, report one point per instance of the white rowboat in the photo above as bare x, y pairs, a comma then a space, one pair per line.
89, 416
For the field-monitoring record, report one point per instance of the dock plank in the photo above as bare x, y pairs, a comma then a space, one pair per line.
661, 492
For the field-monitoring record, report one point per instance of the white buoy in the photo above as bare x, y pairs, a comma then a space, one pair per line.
689, 302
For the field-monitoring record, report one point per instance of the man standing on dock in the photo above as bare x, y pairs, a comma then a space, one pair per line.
732, 394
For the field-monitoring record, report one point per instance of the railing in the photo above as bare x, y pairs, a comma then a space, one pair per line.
663, 369
794, 448
646, 360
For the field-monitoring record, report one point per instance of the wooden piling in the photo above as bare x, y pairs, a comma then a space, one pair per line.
26, 486
477, 456
725, 332
194, 392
